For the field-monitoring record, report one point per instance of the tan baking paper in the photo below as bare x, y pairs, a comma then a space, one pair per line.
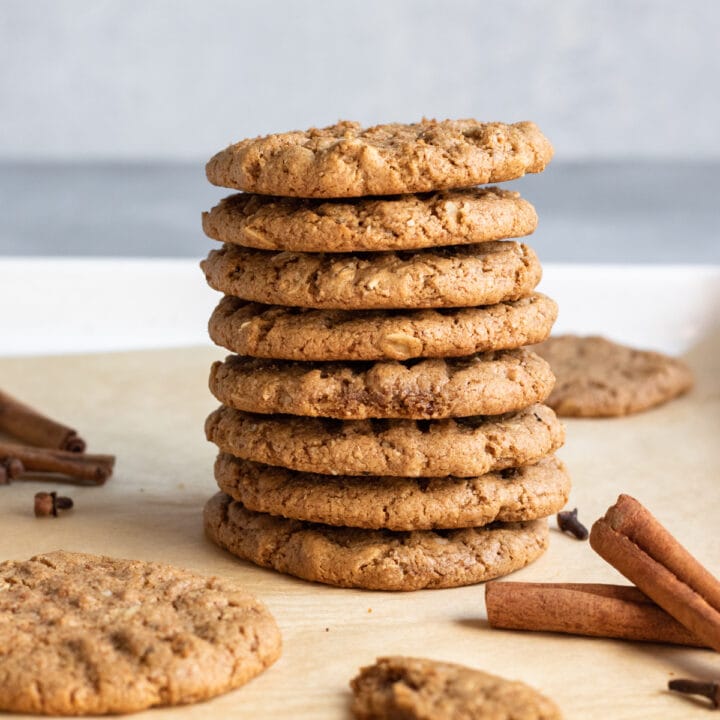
148, 408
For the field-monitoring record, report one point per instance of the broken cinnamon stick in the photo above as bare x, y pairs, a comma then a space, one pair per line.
30, 426
596, 610
92, 469
632, 540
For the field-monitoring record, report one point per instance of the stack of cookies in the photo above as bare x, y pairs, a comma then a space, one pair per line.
381, 425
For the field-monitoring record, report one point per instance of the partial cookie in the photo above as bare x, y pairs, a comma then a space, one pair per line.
408, 448
600, 378
86, 635
373, 559
488, 384
393, 503
420, 689
462, 276
406, 222
301, 334
346, 160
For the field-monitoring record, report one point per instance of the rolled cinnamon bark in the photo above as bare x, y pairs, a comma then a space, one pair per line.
93, 469
631, 539
30, 426
596, 610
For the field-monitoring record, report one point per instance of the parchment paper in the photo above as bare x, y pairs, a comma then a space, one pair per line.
148, 408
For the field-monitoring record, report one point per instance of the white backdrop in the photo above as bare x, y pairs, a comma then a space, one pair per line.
171, 79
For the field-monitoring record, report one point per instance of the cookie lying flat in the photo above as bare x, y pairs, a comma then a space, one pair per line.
600, 378
464, 447
487, 384
512, 495
373, 559
82, 634
405, 222
346, 160
416, 688
462, 276
300, 334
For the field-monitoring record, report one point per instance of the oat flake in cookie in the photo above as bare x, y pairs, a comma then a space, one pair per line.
420, 689
600, 378
373, 559
346, 160
90, 635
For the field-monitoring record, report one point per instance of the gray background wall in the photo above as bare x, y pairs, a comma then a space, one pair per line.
169, 79
109, 108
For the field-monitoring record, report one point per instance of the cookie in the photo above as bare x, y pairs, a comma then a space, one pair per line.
464, 447
300, 334
600, 378
487, 384
420, 689
346, 160
86, 635
373, 559
405, 222
511, 495
462, 276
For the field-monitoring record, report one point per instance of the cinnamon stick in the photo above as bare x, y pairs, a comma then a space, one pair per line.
632, 540
30, 426
596, 610
92, 469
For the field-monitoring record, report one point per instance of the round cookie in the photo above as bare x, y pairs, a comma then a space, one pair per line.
302, 334
463, 447
346, 160
86, 635
487, 384
600, 378
373, 559
462, 276
420, 689
512, 495
406, 222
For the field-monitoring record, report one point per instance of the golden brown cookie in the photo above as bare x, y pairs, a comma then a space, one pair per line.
487, 384
420, 689
464, 447
404, 222
600, 378
373, 559
346, 160
86, 635
512, 495
300, 334
462, 276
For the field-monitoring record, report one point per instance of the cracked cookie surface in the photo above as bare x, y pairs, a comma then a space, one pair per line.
512, 495
600, 378
405, 222
281, 333
373, 559
461, 276
347, 160
463, 447
421, 689
486, 384
84, 634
